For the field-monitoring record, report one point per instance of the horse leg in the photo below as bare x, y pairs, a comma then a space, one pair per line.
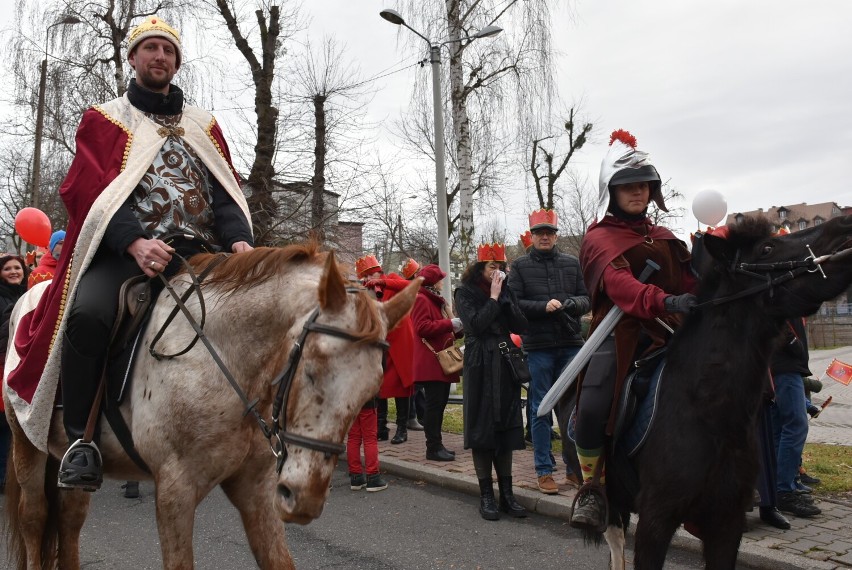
27, 505
614, 536
177, 498
653, 536
251, 491
73, 509
721, 545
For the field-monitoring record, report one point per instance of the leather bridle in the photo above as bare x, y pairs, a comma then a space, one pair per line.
277, 435
763, 272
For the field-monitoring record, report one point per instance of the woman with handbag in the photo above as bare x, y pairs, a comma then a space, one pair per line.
436, 330
493, 372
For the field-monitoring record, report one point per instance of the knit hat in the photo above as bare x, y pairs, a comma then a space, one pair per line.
431, 274
624, 164
155, 27
57, 236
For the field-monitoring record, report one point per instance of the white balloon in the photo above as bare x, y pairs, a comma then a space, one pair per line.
709, 207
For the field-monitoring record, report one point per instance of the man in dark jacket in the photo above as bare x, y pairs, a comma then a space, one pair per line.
790, 418
550, 290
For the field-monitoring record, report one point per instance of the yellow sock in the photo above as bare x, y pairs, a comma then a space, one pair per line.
589, 459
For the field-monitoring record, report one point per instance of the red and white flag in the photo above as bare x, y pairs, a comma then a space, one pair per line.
839, 371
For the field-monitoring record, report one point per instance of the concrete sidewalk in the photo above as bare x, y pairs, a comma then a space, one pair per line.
823, 542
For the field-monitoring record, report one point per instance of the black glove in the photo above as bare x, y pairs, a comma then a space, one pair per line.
569, 305
680, 303
576, 306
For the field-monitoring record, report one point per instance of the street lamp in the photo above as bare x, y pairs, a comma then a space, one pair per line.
42, 88
394, 17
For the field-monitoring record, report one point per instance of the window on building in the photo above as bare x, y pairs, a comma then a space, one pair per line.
782, 214
817, 221
835, 210
740, 218
803, 224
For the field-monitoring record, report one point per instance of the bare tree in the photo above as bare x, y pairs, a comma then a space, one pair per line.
337, 95
486, 77
550, 159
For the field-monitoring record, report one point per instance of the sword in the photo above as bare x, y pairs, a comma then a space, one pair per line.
566, 379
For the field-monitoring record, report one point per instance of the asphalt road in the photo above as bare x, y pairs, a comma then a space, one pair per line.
407, 526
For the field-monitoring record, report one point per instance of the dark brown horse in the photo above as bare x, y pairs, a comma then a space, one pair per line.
699, 462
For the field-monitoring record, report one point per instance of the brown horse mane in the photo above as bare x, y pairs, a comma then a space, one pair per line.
249, 269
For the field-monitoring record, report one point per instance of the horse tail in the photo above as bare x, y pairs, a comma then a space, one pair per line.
16, 551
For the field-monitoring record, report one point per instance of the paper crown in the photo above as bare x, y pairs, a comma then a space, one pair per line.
154, 27
491, 252
364, 264
409, 269
541, 219
526, 239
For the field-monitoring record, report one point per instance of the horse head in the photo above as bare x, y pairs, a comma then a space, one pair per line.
789, 275
336, 374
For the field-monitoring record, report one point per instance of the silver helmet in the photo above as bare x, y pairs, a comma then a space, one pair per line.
624, 164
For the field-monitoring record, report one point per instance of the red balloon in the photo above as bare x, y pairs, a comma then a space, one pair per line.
515, 339
33, 226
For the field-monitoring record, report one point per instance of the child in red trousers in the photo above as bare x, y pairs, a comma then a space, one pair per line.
365, 429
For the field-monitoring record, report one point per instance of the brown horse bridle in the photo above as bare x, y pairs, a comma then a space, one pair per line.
277, 435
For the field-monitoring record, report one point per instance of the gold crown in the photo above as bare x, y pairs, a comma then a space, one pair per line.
154, 27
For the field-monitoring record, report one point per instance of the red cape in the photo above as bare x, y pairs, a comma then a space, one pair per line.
607, 239
399, 372
102, 148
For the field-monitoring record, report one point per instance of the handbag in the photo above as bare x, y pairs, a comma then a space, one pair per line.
451, 359
517, 362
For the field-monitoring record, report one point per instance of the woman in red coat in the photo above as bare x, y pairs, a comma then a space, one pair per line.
433, 323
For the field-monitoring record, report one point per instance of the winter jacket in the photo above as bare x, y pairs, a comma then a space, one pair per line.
492, 397
792, 355
539, 277
431, 323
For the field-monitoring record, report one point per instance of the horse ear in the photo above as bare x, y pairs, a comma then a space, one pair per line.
401, 303
332, 289
720, 248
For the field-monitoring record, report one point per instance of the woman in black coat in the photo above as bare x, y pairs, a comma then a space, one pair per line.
493, 425
13, 284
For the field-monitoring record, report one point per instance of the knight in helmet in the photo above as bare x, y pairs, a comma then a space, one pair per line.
614, 253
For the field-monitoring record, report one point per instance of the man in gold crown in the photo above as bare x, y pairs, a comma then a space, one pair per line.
550, 291
147, 167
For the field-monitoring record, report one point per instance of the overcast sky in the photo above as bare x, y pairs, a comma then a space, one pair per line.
749, 98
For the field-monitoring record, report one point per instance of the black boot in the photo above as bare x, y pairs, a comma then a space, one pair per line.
508, 503
487, 504
401, 435
81, 466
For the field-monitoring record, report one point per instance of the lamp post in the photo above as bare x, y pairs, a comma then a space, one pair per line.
42, 88
394, 17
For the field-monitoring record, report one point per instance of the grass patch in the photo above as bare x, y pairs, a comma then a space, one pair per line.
453, 418
832, 464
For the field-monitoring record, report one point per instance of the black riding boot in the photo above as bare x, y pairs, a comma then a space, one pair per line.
508, 503
401, 435
81, 467
487, 504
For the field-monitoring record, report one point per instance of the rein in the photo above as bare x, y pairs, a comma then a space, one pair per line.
762, 271
278, 432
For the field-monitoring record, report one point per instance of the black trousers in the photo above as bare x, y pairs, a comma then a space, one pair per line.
596, 396
90, 320
437, 396
766, 477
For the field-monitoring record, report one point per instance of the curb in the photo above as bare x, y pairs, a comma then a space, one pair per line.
751, 554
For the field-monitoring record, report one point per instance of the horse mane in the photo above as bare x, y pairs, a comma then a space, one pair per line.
249, 269
246, 270
750, 230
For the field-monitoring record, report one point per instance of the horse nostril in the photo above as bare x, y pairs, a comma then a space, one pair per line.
284, 491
